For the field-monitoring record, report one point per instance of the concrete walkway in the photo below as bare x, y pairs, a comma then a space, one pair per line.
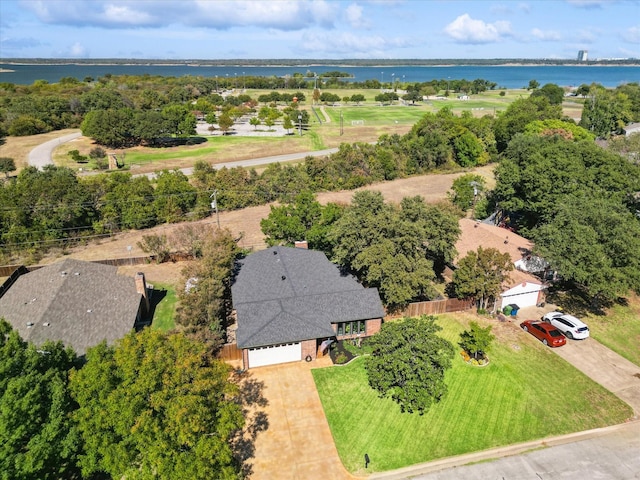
41, 155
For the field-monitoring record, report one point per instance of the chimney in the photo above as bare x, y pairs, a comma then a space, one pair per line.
301, 244
141, 288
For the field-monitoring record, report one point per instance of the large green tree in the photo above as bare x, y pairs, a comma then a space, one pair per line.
409, 362
536, 173
37, 439
204, 308
480, 275
394, 248
595, 242
302, 219
606, 112
519, 114
156, 406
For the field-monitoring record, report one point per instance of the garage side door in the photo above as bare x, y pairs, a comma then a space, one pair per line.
260, 357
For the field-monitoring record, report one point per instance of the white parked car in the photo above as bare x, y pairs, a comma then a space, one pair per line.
572, 327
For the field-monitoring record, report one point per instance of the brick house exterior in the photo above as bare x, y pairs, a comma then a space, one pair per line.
288, 301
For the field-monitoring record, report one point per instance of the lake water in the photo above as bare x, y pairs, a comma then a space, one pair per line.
504, 76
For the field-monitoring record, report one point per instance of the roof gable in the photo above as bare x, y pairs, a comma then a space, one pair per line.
287, 294
79, 303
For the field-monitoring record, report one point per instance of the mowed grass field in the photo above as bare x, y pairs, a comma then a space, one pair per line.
525, 393
619, 328
163, 317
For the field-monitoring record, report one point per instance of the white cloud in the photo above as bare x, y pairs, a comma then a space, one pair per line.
328, 44
632, 35
354, 16
77, 50
587, 36
590, 3
220, 14
546, 35
465, 29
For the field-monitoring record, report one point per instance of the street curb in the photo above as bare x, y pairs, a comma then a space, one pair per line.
496, 453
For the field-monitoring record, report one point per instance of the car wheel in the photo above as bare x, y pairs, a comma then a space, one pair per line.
569, 335
525, 328
545, 341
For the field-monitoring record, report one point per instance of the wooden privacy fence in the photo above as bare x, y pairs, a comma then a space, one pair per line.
435, 307
230, 351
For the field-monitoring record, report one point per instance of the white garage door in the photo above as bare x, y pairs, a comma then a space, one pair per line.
290, 352
528, 299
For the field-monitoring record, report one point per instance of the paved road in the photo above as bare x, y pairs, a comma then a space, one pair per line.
254, 162
606, 454
41, 155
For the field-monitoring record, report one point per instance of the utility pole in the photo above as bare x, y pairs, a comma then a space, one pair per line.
214, 205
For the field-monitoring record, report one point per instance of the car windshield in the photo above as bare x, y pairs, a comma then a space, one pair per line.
583, 329
555, 333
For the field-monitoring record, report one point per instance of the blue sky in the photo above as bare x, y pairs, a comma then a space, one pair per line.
318, 29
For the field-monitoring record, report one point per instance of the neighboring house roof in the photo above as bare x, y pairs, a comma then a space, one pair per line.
531, 263
285, 294
79, 303
477, 234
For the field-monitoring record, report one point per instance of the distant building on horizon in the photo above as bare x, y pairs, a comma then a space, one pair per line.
583, 55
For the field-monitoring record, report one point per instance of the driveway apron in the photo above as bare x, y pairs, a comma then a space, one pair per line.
297, 443
604, 366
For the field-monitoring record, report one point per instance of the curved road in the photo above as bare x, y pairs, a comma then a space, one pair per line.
41, 155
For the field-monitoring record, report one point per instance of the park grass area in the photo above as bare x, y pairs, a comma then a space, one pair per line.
514, 399
619, 328
163, 317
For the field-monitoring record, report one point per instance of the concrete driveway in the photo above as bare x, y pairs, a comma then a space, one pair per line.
297, 443
604, 366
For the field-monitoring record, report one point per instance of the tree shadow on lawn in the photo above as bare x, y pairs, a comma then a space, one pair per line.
252, 402
577, 302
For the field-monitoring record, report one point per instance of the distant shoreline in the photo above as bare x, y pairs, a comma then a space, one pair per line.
316, 63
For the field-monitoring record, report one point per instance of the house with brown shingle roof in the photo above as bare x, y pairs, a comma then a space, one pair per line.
76, 302
523, 288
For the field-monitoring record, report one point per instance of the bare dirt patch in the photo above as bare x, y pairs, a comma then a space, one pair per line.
245, 223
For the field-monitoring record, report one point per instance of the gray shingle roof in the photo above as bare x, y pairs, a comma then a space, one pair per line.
287, 294
83, 303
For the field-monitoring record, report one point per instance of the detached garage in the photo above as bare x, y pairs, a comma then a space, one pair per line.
526, 294
273, 354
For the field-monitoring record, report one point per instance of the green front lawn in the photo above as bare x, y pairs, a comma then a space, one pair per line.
165, 308
525, 393
619, 329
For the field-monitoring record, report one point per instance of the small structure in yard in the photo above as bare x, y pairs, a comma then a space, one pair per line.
289, 301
